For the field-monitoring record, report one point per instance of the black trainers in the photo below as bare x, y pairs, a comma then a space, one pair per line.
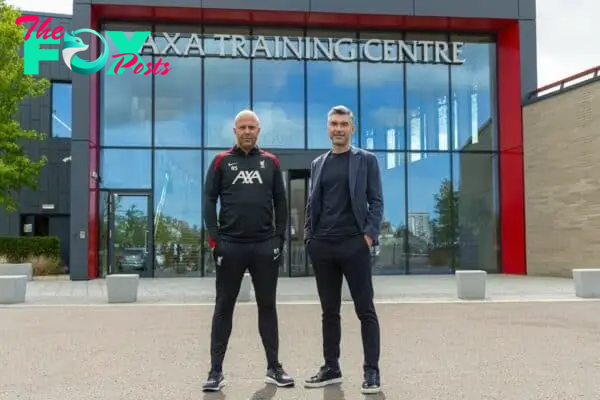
214, 383
325, 376
371, 384
278, 376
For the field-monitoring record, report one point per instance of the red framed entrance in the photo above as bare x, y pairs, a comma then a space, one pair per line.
511, 180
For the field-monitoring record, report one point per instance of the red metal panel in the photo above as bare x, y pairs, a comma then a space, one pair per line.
511, 179
511, 160
294, 18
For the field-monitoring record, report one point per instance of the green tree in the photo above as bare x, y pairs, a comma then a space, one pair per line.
17, 169
445, 223
131, 226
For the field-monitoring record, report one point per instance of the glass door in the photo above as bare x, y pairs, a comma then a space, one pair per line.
296, 261
130, 239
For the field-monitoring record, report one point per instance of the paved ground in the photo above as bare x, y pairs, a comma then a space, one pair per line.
201, 290
478, 351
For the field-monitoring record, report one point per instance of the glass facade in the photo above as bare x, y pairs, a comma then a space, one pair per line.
432, 126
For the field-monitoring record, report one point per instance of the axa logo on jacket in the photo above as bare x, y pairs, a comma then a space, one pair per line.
248, 178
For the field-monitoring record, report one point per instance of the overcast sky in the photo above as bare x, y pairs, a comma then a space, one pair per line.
566, 33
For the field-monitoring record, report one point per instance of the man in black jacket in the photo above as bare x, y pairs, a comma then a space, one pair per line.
249, 184
343, 217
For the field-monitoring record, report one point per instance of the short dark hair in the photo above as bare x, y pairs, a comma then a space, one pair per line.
341, 110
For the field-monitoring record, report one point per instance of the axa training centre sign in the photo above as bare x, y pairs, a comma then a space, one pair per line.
304, 48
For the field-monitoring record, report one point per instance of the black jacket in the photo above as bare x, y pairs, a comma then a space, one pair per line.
250, 187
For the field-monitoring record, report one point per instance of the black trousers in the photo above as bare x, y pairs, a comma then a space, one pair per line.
332, 261
262, 261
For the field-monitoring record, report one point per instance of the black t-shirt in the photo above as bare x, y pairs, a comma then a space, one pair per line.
336, 218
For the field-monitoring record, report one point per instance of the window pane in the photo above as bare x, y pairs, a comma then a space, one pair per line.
278, 97
431, 222
330, 83
226, 88
62, 100
381, 100
427, 97
475, 177
209, 263
227, 92
473, 93
218, 41
126, 106
392, 256
178, 221
125, 169
178, 98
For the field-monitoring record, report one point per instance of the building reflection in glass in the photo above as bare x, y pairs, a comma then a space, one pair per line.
433, 128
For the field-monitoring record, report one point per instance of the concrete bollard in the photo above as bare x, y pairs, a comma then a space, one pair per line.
122, 288
471, 285
13, 289
587, 283
17, 269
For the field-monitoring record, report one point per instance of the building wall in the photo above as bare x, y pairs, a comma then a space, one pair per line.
85, 150
54, 180
562, 154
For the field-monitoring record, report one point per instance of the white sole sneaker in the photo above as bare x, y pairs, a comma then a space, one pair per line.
323, 384
370, 390
272, 381
217, 389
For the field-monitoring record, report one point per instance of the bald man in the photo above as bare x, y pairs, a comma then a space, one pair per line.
249, 184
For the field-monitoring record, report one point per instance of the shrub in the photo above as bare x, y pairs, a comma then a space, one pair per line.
19, 249
43, 265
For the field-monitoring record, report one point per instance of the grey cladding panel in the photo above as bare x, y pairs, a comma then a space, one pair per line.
35, 108
25, 114
79, 166
388, 7
79, 208
279, 5
50, 183
9, 223
527, 32
527, 9
45, 117
81, 86
468, 8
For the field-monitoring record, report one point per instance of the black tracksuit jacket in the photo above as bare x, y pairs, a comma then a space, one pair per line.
250, 187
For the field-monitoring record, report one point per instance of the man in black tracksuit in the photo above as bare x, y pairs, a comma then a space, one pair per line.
249, 184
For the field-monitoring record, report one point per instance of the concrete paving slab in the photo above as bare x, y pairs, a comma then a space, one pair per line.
477, 351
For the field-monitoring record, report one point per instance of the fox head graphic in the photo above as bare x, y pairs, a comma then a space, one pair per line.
72, 45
